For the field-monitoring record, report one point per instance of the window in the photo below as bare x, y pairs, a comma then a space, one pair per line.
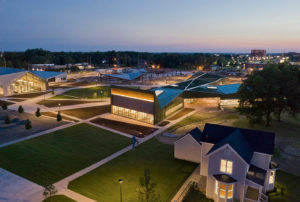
223, 190
271, 178
226, 166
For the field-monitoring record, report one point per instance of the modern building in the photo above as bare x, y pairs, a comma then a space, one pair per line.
154, 105
235, 163
18, 81
258, 54
149, 106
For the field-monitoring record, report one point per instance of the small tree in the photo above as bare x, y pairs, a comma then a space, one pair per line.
52, 92
58, 118
28, 124
7, 120
146, 190
38, 113
49, 191
20, 109
4, 106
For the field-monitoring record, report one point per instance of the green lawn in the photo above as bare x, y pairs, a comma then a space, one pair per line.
168, 173
288, 187
86, 93
59, 198
52, 157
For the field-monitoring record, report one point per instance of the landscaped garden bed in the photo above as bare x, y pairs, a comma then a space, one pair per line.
87, 112
132, 129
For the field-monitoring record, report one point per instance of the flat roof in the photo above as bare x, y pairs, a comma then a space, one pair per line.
10, 70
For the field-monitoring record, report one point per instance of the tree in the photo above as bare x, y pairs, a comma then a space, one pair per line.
7, 120
4, 106
146, 190
38, 113
258, 94
58, 118
20, 109
28, 124
49, 191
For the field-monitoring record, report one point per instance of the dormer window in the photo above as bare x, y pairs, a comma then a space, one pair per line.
226, 166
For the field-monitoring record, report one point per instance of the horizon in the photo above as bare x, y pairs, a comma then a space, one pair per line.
194, 26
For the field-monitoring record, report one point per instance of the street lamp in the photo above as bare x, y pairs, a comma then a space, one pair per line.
120, 182
59, 107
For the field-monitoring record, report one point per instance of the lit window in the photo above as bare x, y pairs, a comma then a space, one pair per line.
226, 166
271, 178
230, 191
222, 190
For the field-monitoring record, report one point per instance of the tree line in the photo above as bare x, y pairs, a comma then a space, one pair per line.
270, 92
109, 58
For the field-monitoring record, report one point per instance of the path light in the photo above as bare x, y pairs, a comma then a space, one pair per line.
58, 106
120, 182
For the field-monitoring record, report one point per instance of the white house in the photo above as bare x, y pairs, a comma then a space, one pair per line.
235, 162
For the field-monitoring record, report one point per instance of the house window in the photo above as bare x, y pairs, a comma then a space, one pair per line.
223, 190
271, 178
226, 166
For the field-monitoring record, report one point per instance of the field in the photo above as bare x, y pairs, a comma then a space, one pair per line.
52, 157
55, 103
168, 173
97, 92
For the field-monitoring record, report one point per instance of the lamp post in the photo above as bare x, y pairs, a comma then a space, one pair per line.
120, 182
59, 107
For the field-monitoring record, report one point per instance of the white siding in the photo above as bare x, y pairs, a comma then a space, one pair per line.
187, 148
204, 160
261, 160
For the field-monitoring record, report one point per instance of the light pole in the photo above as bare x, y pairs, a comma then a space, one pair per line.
120, 182
59, 107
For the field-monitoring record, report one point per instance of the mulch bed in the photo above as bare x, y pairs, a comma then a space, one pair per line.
180, 114
17, 100
132, 129
164, 123
5, 102
54, 115
54, 103
87, 112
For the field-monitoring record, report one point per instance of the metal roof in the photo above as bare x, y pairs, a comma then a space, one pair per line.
47, 74
9, 70
166, 95
127, 76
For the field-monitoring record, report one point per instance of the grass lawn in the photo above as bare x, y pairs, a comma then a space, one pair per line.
52, 157
87, 112
168, 173
58, 198
288, 187
54, 103
63, 97
89, 93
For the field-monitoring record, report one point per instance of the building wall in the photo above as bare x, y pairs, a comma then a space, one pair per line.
239, 171
160, 114
187, 148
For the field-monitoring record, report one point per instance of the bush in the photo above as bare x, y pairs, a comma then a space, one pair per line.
20, 109
52, 92
7, 120
38, 113
28, 124
4, 106
58, 118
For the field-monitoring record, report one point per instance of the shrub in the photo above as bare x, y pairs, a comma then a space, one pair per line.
28, 124
49, 191
20, 109
38, 113
58, 118
7, 120
4, 106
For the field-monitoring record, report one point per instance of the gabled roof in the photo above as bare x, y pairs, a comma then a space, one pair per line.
237, 141
166, 95
196, 134
10, 70
47, 74
259, 141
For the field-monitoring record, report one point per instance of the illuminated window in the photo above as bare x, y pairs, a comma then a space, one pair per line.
226, 166
141, 116
272, 177
223, 190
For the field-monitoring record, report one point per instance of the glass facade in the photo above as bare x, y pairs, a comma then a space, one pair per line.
133, 114
27, 83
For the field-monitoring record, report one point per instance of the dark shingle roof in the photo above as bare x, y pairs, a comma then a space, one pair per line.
224, 178
196, 134
237, 141
256, 174
259, 141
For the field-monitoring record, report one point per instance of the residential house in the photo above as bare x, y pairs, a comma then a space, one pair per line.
235, 163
